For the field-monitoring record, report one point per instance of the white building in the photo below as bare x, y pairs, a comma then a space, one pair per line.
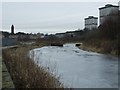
107, 12
91, 22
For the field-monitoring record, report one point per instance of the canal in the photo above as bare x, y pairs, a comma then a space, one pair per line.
78, 68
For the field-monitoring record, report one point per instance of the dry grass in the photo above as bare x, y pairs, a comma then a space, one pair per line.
102, 46
25, 73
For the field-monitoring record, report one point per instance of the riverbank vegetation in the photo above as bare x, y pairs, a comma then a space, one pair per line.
25, 73
105, 38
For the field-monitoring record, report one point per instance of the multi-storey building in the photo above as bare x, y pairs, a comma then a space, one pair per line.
91, 22
108, 12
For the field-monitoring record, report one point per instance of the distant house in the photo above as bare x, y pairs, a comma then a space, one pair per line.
108, 11
33, 36
42, 36
60, 35
13, 36
91, 22
23, 37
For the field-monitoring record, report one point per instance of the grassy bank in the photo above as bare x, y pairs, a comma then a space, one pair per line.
25, 73
101, 46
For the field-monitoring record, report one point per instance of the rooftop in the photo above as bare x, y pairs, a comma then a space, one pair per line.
91, 17
108, 5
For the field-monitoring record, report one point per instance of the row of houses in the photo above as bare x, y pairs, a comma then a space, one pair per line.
26, 36
21, 36
108, 11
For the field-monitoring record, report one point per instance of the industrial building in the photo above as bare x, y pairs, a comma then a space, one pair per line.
108, 11
91, 22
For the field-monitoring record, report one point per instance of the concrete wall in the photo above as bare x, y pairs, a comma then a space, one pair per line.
8, 42
90, 26
105, 13
91, 23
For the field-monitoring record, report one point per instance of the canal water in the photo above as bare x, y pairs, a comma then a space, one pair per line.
78, 68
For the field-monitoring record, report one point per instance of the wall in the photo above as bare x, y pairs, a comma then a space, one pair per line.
8, 42
91, 23
91, 26
104, 13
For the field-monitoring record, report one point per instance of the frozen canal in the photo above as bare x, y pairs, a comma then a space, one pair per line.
78, 68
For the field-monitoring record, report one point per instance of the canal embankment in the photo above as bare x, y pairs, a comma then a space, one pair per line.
24, 72
7, 81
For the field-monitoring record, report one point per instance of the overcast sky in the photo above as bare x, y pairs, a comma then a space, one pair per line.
48, 17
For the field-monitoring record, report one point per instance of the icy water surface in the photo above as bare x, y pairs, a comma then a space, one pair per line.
78, 68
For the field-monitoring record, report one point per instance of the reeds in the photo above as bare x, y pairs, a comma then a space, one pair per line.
25, 73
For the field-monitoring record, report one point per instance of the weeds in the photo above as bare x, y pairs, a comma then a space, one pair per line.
25, 73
